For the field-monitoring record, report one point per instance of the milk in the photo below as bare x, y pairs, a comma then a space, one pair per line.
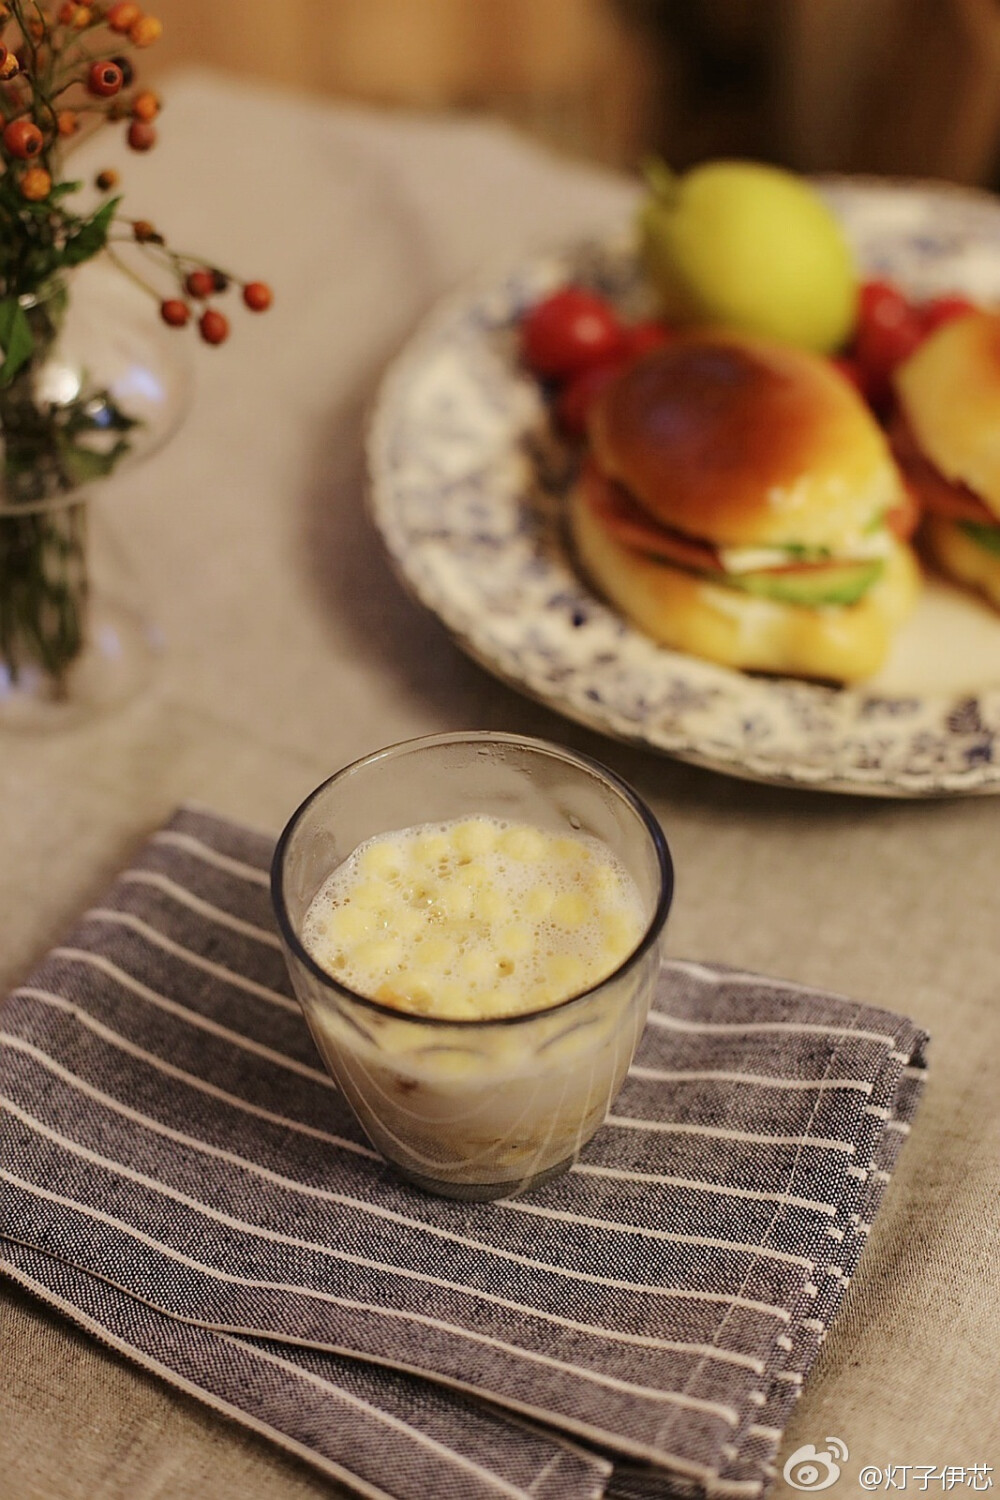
506, 1009
474, 919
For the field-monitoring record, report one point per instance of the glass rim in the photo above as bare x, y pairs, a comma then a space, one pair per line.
455, 737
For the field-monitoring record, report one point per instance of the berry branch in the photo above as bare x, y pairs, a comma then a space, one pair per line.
67, 69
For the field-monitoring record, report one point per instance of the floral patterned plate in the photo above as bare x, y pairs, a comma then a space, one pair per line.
467, 483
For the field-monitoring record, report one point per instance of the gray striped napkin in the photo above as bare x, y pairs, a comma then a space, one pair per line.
181, 1178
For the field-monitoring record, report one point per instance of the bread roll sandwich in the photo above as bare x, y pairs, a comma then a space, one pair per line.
738, 502
947, 438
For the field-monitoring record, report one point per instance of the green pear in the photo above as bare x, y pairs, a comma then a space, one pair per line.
751, 247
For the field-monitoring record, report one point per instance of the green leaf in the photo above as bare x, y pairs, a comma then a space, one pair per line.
62, 189
16, 339
661, 182
91, 236
984, 536
81, 465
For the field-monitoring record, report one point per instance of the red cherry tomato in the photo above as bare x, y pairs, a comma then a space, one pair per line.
889, 328
881, 302
569, 331
643, 338
577, 396
940, 310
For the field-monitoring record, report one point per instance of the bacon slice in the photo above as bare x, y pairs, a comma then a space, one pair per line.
904, 518
629, 524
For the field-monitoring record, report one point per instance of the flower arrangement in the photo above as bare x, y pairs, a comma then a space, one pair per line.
66, 70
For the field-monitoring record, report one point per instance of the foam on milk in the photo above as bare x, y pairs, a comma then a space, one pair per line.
474, 918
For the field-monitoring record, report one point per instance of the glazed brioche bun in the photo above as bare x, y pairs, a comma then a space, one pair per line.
949, 393
720, 442
744, 442
687, 613
956, 554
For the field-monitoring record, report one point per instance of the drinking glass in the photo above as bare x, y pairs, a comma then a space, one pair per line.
475, 1109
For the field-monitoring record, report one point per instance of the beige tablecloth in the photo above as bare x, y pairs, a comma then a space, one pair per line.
291, 650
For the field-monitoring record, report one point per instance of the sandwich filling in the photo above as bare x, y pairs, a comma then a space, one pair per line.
949, 499
791, 573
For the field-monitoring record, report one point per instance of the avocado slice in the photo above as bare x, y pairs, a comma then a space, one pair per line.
836, 583
983, 536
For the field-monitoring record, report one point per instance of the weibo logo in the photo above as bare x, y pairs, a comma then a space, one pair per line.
806, 1469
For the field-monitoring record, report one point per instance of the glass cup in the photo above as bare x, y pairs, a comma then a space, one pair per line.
475, 1109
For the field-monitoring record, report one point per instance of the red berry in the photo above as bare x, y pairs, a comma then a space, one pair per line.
941, 310
22, 138
258, 296
213, 327
123, 15
141, 135
146, 106
104, 79
569, 331
145, 31
200, 283
36, 184
643, 338
175, 312
577, 396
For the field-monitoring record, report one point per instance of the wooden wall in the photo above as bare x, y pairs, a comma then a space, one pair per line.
570, 71
896, 86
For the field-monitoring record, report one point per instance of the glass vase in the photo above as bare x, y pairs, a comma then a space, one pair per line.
102, 388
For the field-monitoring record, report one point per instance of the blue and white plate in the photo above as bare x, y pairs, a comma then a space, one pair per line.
467, 488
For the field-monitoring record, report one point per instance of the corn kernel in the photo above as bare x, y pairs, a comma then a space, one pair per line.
621, 934
538, 902
523, 842
490, 905
514, 940
478, 964
386, 860
432, 849
474, 837
565, 972
347, 924
435, 950
456, 901
378, 954
570, 909
569, 851
371, 896
407, 921
412, 990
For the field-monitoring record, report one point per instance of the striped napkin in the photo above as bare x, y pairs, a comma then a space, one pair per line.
179, 1176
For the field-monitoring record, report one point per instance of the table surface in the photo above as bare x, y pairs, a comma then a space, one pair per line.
291, 650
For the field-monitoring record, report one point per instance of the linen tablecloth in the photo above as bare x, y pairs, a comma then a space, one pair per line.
290, 650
